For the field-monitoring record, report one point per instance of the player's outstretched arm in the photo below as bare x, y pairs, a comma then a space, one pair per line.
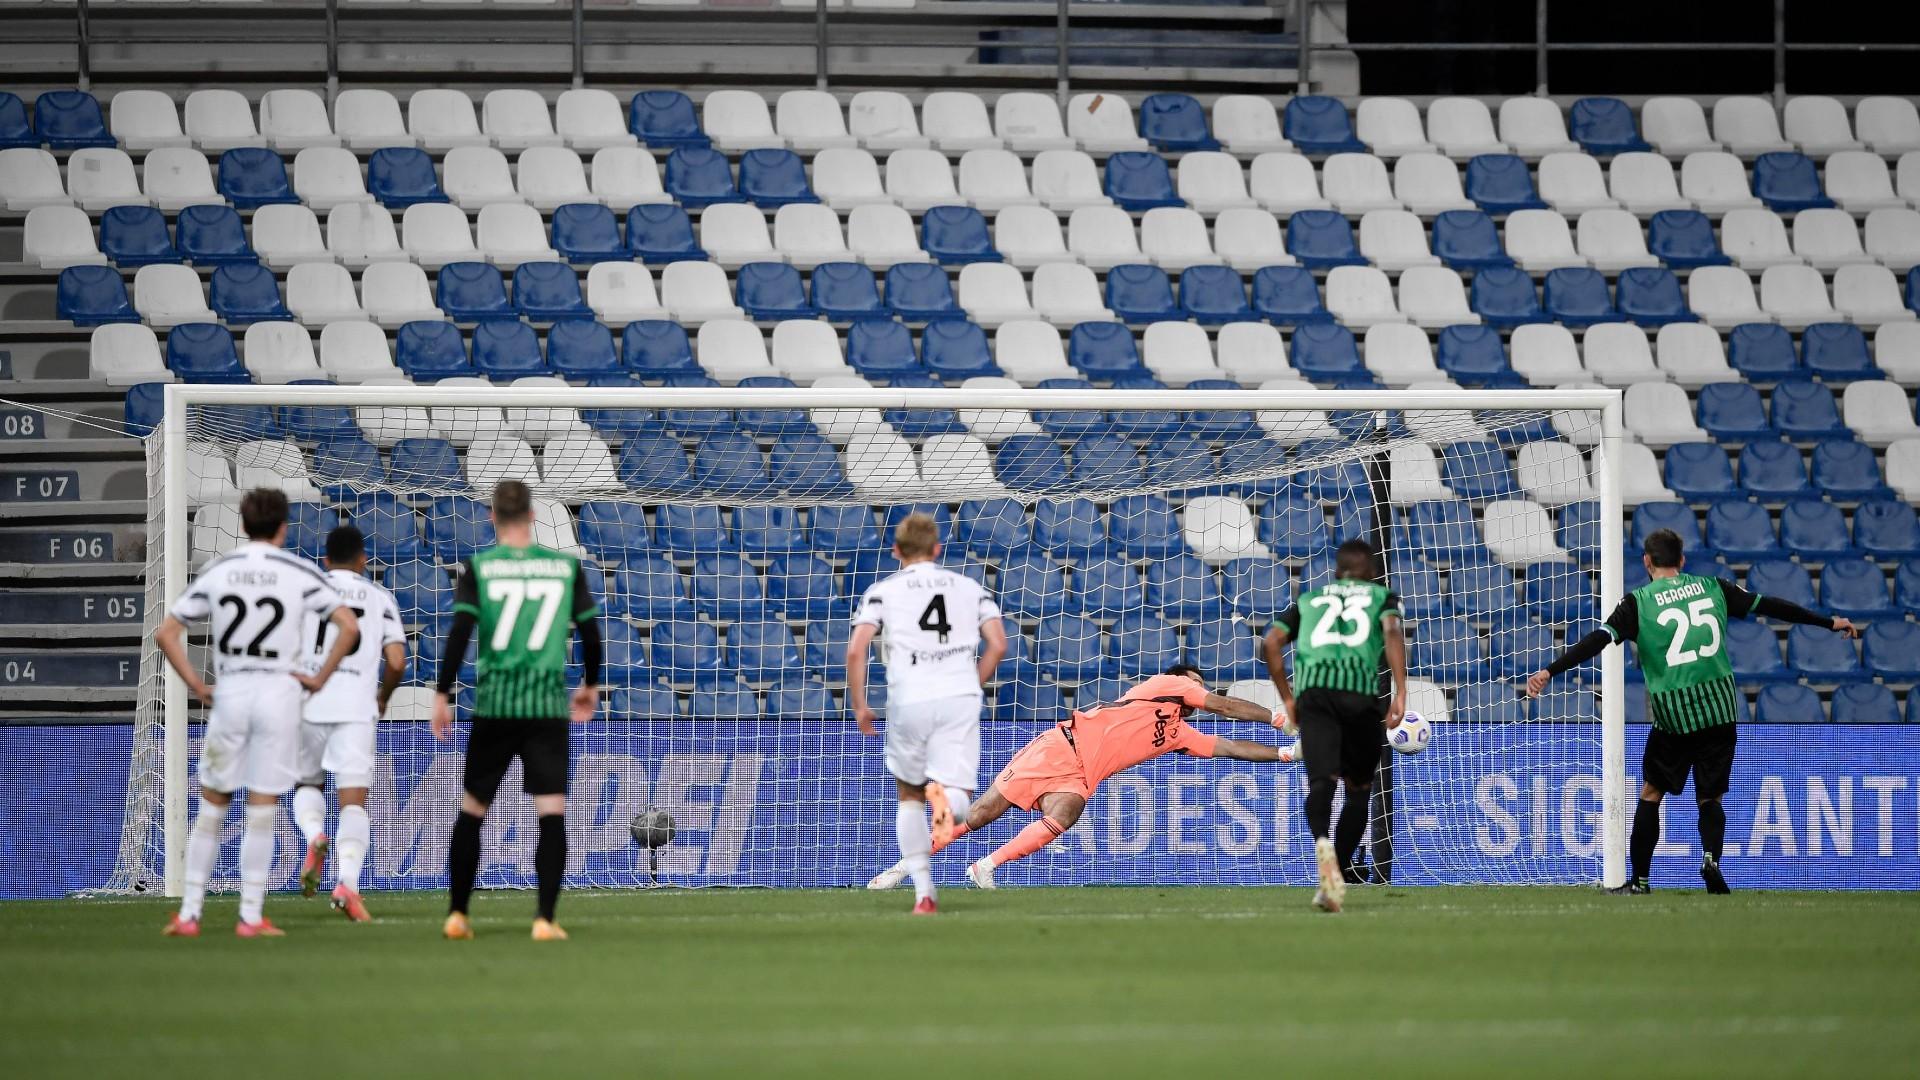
858, 644
1576, 654
171, 637
1241, 750
1234, 708
1787, 611
345, 641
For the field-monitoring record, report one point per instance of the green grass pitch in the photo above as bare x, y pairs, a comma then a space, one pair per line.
1161, 982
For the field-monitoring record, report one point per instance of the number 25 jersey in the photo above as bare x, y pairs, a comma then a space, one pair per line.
931, 617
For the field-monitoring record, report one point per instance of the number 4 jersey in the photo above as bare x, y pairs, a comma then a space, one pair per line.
258, 597
932, 619
527, 601
1679, 628
1336, 636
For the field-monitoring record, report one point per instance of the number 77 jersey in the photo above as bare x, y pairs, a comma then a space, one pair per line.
527, 601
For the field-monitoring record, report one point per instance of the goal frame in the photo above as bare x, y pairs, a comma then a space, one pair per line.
178, 398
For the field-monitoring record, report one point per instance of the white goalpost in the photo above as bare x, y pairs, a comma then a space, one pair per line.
731, 526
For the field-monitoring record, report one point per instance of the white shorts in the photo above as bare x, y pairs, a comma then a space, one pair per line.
253, 736
345, 750
935, 740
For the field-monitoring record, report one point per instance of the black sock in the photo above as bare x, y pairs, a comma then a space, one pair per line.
1353, 822
1646, 835
463, 860
550, 860
1713, 828
1320, 807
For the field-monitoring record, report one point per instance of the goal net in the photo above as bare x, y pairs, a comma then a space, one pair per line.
729, 531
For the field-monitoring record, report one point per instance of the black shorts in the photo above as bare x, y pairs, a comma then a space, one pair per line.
1707, 753
541, 746
1341, 733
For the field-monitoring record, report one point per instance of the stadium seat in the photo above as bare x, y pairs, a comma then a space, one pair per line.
1320, 125
436, 234
773, 178
1065, 180
431, 351
1684, 239
1848, 470
1651, 297
1611, 240
242, 293
1175, 123
175, 177
1211, 181
1577, 297
1870, 295
1326, 352
662, 233
1891, 650
1692, 355
131, 236
1462, 127
167, 295
30, 177
69, 120
1176, 238
920, 292
127, 355
1360, 296
956, 349
1540, 240
1861, 182
1445, 530
1504, 297
623, 177
1855, 588
770, 291
991, 293
506, 349
1754, 651
1285, 184
1806, 411
1572, 184
400, 177
1545, 355
665, 118
1788, 182
1795, 296
738, 120
1141, 294
1723, 296
1814, 530
1618, 355
1399, 355
1247, 124
1139, 181
1357, 183
992, 180
1322, 239
734, 235
1645, 184
1865, 703
56, 237
1448, 651
1827, 239
99, 177
212, 235
956, 235
254, 176
1468, 239
93, 296
1533, 127
586, 233
1885, 529
470, 291
202, 352
1701, 472
1789, 703
581, 348
1501, 184
139, 119
1778, 576
1716, 183
1742, 530
698, 177
1394, 240
1103, 237
1822, 657
591, 120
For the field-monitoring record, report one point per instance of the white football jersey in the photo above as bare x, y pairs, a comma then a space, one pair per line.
257, 597
353, 691
931, 618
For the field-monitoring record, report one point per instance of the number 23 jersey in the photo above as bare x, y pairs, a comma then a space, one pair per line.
257, 596
931, 617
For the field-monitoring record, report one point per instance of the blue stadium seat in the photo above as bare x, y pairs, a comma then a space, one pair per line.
1139, 181
1504, 297
655, 464
391, 530
242, 293
804, 587
1444, 530
1105, 462
957, 235
1175, 122
665, 118
1603, 126
1224, 650
1489, 703
920, 292
956, 349
731, 464
1258, 588
1183, 589
647, 587
319, 423
1447, 651
457, 526
548, 291
802, 699
991, 528
723, 697
1806, 411
1701, 472
1142, 642
1144, 527
1754, 651
762, 651
1579, 531
682, 649
846, 291
580, 348
1684, 239
134, 236
426, 464
614, 532
253, 176
1733, 412
699, 177
1784, 579
805, 465
1071, 647
1891, 650
1821, 656
426, 671
211, 235
1856, 588
1741, 530
1140, 293
656, 348
507, 349
1763, 353
1577, 297
400, 176
1294, 527
342, 466
15, 131
825, 650
1475, 356
1104, 351
1028, 702
1501, 184
1483, 591
588, 233
430, 351
1030, 463
423, 591
1865, 703
1913, 290
472, 291
1478, 470
1320, 125
772, 178
1651, 297
1325, 352
69, 120
1788, 182
1789, 703
1837, 353
1221, 425
1032, 586
1814, 530
307, 527
838, 531
880, 349
771, 291
1316, 571
1106, 586
93, 296
1322, 239
204, 353
625, 652
1648, 518
1183, 463
685, 529
1558, 592
1213, 295
660, 233
1423, 594
769, 530
1886, 528
1288, 296
1068, 528
1066, 423
1906, 587
1468, 240
1520, 651
1774, 471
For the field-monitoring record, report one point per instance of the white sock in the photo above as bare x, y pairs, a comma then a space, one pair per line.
203, 850
309, 811
256, 860
916, 845
355, 835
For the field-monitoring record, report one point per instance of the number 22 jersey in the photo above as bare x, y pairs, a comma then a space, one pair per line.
257, 597
931, 616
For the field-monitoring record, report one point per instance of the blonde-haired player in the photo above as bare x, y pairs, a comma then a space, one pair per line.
943, 638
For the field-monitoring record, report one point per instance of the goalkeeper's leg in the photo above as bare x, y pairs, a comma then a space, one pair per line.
1058, 812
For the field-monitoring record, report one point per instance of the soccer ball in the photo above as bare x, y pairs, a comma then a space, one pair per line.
653, 828
1410, 737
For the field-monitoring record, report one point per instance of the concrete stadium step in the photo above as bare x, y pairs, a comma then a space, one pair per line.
90, 667
43, 616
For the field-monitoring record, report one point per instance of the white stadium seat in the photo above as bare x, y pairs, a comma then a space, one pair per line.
288, 236
694, 292
1553, 473
1429, 184
1211, 181
490, 461
1391, 127
1220, 529
622, 292
881, 234
573, 464
1103, 124
1612, 241
1889, 125
1248, 124
1795, 296
1676, 126
883, 120
995, 293
881, 461
294, 120
810, 120
1175, 238
1893, 238
1253, 353
1434, 296
591, 120
1640, 480
1030, 235
1519, 532
1869, 295
1618, 354
1659, 414
442, 119
509, 234
1756, 239
436, 234
210, 484
1545, 354
919, 179
806, 350
326, 176
845, 177
396, 293
1723, 296
1692, 355
1903, 469
735, 234
1645, 183
1178, 353
1395, 240
992, 180
953, 462
1031, 351
1540, 240
169, 294
1399, 354
1291, 427
1285, 184
1249, 239
370, 120
1463, 128
1413, 475
477, 176
1818, 125
808, 234
1877, 411
1357, 183
1066, 294
995, 426
841, 426
1102, 237
731, 350
464, 425
145, 120
1361, 296
221, 120
1827, 239
624, 177
957, 120
101, 176
1572, 184
1907, 177
552, 176
279, 353
1748, 126
176, 177
1534, 127
1860, 181
320, 293
1896, 351
57, 237
357, 352
1028, 122
30, 177
517, 119
126, 354
1065, 180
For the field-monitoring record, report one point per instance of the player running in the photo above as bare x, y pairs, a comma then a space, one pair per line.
257, 597
944, 639
1059, 771
521, 598
337, 729
1678, 622
1340, 631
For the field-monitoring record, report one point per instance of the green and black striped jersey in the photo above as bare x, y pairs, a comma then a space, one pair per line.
1337, 640
1679, 629
527, 601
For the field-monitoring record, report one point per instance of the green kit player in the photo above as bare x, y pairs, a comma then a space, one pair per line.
1678, 624
523, 599
1341, 631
